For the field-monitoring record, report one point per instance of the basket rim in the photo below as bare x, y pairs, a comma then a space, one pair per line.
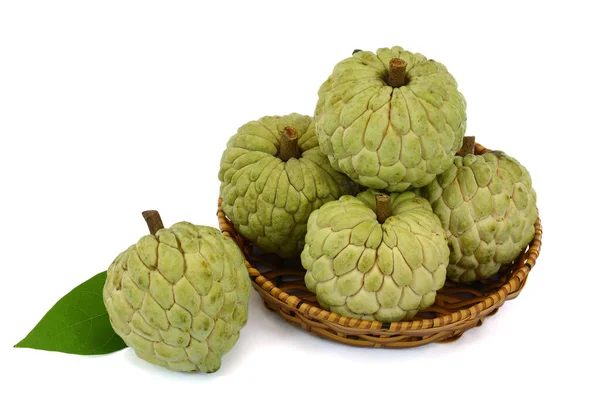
448, 322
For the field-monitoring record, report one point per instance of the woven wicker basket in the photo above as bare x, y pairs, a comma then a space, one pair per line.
457, 308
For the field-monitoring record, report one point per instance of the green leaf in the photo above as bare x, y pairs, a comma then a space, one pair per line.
77, 324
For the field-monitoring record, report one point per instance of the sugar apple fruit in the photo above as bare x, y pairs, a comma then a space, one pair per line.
374, 256
487, 206
273, 175
390, 120
179, 297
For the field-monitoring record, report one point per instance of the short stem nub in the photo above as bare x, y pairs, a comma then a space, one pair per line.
468, 146
153, 220
397, 73
288, 144
383, 207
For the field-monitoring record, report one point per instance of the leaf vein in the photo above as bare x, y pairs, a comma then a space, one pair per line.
75, 324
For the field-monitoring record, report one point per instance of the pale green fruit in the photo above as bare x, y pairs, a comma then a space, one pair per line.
487, 205
386, 137
360, 268
269, 200
179, 298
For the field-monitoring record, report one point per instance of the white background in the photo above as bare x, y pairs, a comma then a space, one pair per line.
109, 108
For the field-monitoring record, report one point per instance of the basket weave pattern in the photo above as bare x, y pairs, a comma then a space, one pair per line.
457, 308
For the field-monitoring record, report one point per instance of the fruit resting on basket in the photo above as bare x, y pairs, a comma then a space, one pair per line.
488, 207
390, 120
179, 296
273, 175
375, 256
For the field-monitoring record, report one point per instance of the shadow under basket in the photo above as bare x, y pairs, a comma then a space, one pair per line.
457, 308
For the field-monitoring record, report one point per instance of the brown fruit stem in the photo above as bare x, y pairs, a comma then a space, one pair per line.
468, 146
288, 144
153, 221
397, 73
383, 207
356, 51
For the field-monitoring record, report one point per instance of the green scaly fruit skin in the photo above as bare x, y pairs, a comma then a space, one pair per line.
390, 138
269, 200
179, 298
360, 268
487, 206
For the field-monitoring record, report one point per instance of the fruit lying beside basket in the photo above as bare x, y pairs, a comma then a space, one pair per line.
179, 296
